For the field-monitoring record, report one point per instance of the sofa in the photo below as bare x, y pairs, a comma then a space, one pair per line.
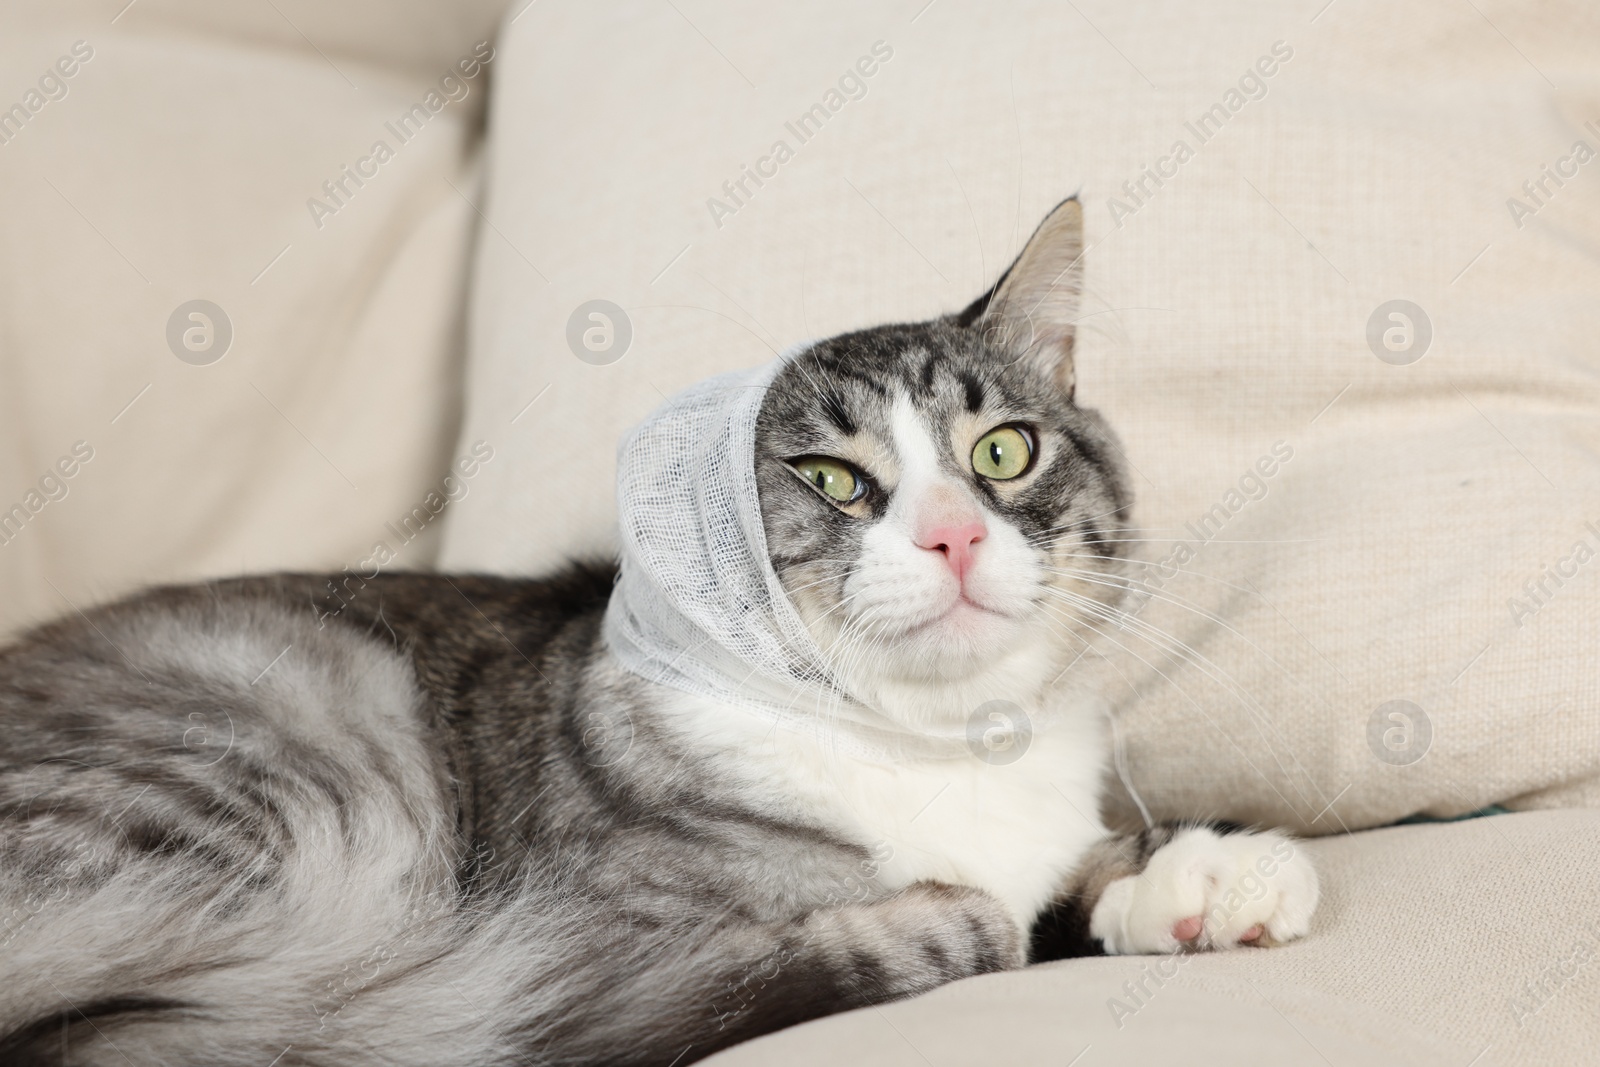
272, 270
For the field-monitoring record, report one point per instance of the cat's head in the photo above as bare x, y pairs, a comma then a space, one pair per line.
941, 512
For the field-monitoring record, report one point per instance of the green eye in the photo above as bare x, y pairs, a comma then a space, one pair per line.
834, 478
1002, 453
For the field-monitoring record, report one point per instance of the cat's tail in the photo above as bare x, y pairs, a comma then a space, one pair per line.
164, 960
151, 968
164, 963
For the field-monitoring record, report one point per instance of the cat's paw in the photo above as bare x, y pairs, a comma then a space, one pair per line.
1205, 890
963, 931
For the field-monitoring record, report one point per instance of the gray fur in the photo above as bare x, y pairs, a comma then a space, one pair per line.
425, 820
406, 843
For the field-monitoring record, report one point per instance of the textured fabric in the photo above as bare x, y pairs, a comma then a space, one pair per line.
697, 604
1334, 531
176, 162
1466, 943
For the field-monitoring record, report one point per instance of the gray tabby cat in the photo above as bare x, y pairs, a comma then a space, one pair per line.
418, 819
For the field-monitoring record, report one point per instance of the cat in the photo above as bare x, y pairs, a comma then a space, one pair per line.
432, 819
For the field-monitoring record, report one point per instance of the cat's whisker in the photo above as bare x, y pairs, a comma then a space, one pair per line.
1077, 619
1119, 581
1111, 512
1135, 586
1215, 672
1209, 541
1199, 708
1148, 565
792, 590
1163, 642
1171, 644
1153, 634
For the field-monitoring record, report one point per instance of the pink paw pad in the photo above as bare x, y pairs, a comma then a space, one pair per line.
1188, 929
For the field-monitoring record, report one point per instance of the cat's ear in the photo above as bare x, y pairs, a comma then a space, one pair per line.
1031, 311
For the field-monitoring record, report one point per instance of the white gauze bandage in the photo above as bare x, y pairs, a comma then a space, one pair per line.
698, 605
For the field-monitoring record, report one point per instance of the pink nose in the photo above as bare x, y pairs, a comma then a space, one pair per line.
955, 542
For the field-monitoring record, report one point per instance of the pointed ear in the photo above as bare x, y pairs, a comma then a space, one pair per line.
1031, 311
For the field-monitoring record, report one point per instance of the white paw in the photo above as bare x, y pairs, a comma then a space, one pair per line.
1208, 890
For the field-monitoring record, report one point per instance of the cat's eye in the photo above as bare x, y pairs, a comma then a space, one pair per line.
834, 478
1003, 453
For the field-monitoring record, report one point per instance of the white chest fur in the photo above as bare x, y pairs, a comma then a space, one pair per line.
1013, 827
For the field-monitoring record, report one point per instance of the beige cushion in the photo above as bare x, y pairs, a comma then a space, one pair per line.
178, 166
1470, 943
1228, 312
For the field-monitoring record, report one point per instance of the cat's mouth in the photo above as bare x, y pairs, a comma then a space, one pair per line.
963, 616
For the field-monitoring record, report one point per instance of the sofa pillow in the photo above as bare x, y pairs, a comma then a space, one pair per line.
229, 321
1344, 302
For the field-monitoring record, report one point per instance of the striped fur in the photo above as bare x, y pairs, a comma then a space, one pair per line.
419, 820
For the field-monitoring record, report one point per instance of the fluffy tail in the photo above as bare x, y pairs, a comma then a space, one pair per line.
159, 962
144, 970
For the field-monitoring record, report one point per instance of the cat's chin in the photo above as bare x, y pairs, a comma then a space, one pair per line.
934, 678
